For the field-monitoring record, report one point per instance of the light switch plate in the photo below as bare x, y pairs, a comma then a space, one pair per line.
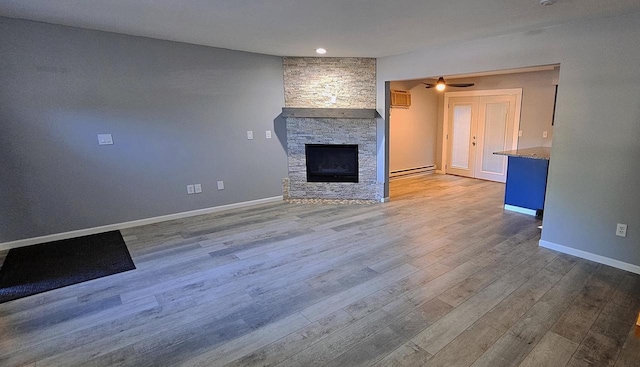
520, 133
333, 99
250, 135
545, 134
190, 189
220, 185
105, 139
197, 188
268, 134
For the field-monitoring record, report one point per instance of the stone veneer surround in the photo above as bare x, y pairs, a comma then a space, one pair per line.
324, 130
311, 82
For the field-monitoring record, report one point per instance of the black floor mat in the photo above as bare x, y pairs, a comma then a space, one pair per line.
39, 268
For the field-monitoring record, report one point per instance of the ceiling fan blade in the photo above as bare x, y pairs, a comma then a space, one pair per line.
427, 85
461, 85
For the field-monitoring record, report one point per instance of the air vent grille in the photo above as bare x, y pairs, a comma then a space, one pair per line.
400, 99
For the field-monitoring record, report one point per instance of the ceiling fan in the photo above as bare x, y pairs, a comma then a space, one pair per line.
441, 84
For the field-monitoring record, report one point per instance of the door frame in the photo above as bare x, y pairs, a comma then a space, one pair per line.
478, 93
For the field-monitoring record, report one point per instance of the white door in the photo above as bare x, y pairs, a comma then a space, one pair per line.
478, 127
461, 151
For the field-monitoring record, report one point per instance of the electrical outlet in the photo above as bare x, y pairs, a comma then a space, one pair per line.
333, 99
220, 185
105, 139
250, 135
520, 133
621, 230
268, 134
197, 188
190, 189
545, 134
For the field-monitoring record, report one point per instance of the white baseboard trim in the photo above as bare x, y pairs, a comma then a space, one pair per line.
519, 209
133, 223
590, 256
385, 200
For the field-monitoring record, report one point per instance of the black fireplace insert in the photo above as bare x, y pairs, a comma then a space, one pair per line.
332, 162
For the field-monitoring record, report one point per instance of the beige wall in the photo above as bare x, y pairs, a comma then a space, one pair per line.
538, 92
415, 134
310, 82
413, 131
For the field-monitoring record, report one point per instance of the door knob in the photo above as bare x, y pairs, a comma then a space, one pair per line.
474, 143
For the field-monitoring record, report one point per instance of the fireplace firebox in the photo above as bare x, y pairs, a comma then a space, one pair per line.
332, 162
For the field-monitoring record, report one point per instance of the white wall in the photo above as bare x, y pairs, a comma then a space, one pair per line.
594, 171
413, 131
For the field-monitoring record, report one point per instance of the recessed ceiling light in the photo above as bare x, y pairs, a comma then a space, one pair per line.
321, 51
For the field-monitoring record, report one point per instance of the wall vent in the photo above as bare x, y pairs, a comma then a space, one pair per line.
400, 99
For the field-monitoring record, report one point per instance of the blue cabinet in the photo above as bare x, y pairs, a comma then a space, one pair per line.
526, 183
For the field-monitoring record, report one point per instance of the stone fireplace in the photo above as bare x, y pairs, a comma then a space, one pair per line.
330, 109
345, 167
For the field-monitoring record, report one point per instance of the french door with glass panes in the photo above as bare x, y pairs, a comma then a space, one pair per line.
478, 127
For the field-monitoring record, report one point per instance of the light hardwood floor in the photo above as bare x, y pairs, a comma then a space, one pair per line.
440, 276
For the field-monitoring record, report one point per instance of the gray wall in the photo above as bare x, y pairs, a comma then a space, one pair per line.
594, 172
178, 114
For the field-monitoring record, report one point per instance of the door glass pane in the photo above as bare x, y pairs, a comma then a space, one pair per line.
460, 136
495, 129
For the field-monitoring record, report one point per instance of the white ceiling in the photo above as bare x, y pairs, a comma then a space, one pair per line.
359, 28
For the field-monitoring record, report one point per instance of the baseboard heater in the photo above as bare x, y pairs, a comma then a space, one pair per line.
412, 171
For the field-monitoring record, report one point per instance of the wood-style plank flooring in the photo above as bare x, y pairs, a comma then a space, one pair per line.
440, 276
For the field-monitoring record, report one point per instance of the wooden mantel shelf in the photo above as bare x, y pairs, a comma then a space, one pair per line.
348, 113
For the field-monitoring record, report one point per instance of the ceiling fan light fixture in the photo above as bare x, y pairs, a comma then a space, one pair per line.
547, 2
441, 85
